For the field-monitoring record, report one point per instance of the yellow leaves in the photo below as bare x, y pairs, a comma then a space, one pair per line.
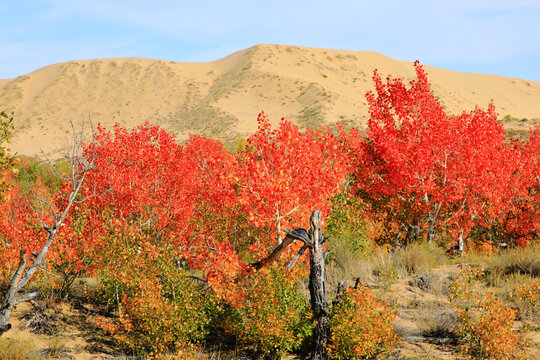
274, 317
529, 294
160, 309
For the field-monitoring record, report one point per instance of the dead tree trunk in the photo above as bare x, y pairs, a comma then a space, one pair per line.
317, 288
18, 281
314, 240
80, 166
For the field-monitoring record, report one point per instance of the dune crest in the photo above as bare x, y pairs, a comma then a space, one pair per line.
222, 98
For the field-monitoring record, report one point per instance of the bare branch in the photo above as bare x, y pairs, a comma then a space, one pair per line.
299, 234
275, 254
297, 256
80, 167
25, 297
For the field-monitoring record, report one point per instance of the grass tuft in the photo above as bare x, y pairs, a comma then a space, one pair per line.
17, 349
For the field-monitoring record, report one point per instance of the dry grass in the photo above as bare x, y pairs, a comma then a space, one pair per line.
57, 346
524, 261
432, 282
383, 267
440, 324
18, 349
517, 261
418, 258
344, 264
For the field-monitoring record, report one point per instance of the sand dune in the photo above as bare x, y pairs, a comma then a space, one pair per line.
222, 98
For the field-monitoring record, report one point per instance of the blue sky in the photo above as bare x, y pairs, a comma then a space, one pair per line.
491, 37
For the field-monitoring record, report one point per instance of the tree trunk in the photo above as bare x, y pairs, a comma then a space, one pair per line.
431, 223
410, 235
11, 299
461, 245
416, 231
317, 289
397, 239
431, 231
80, 166
21, 277
314, 240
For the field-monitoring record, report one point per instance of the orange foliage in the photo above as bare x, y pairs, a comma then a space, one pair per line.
487, 333
361, 326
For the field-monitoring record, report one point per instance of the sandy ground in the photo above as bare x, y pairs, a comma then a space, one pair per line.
222, 98
75, 334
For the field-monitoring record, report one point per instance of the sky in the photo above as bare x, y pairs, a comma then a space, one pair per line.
481, 36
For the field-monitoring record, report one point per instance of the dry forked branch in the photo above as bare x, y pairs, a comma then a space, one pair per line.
80, 165
314, 241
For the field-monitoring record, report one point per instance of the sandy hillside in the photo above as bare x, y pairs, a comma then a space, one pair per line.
222, 98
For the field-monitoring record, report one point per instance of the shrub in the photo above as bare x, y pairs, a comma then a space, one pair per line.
360, 326
161, 311
529, 294
487, 332
275, 319
438, 324
463, 290
435, 283
345, 223
527, 297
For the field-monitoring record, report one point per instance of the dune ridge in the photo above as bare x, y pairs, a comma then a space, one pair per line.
222, 98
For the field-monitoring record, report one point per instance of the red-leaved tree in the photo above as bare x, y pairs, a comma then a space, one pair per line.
420, 166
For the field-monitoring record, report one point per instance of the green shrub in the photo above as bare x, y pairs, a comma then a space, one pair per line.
275, 319
161, 309
345, 224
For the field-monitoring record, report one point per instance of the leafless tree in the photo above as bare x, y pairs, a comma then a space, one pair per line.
80, 166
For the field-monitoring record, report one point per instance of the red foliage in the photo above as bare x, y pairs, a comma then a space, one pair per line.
284, 174
418, 164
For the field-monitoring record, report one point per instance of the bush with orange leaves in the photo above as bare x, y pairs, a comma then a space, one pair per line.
486, 331
275, 319
361, 326
527, 301
160, 308
529, 294
485, 324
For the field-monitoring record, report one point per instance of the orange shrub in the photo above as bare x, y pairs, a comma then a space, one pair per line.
463, 289
527, 300
529, 294
487, 332
361, 326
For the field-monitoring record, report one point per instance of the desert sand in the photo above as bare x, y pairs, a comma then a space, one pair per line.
222, 98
